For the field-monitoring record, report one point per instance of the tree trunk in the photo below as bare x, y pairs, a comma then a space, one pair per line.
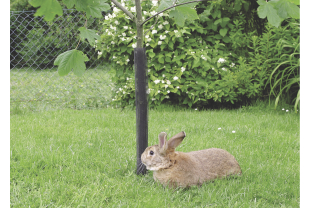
141, 86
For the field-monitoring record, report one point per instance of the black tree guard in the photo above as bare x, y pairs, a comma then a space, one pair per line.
141, 87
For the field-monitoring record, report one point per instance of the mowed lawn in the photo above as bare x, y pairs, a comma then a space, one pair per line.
87, 158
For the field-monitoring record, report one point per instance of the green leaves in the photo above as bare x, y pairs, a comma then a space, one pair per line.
88, 34
180, 14
277, 10
164, 4
92, 7
223, 31
69, 60
287, 9
48, 8
267, 9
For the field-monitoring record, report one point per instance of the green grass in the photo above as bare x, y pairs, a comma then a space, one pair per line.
86, 158
45, 90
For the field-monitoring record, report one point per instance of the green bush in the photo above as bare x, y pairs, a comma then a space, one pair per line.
193, 65
277, 54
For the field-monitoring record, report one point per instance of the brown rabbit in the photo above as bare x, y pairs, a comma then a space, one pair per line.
179, 169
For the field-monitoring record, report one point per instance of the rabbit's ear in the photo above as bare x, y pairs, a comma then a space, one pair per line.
163, 145
176, 140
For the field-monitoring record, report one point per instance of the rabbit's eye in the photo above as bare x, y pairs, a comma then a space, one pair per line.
151, 152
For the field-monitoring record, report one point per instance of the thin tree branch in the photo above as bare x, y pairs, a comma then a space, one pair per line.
152, 26
129, 14
168, 9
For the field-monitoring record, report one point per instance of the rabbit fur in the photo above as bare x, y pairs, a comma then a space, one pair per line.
179, 169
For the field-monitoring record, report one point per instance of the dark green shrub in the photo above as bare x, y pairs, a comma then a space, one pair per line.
276, 54
201, 63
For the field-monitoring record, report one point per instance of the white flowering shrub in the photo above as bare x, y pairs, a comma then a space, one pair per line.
184, 66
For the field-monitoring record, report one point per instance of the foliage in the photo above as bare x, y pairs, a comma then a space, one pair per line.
36, 43
276, 55
191, 65
20, 5
276, 10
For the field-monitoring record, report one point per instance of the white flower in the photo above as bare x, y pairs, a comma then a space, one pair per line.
178, 87
182, 69
175, 78
287, 110
157, 81
114, 57
124, 34
162, 37
164, 75
168, 82
149, 39
154, 3
167, 96
99, 53
162, 81
175, 31
221, 60
153, 99
133, 9
116, 22
127, 60
219, 128
106, 17
147, 44
160, 26
233, 131
166, 86
168, 91
196, 108
145, 12
120, 89
232, 65
147, 36
224, 69
149, 70
153, 13
165, 22
158, 91
166, 31
283, 109
160, 42
134, 45
126, 27
148, 91
128, 78
154, 31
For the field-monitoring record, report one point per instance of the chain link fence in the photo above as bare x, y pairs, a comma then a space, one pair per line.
34, 80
